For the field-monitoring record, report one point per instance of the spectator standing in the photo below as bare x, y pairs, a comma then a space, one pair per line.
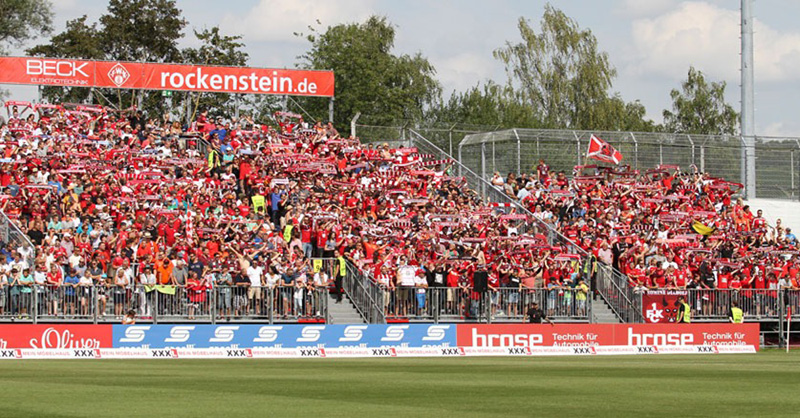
536, 315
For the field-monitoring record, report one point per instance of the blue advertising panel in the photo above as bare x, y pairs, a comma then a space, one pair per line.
283, 336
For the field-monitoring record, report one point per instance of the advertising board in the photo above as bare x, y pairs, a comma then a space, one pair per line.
151, 76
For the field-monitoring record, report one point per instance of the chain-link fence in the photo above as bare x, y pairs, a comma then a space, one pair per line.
519, 150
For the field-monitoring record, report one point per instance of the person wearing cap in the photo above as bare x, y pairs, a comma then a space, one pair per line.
536, 315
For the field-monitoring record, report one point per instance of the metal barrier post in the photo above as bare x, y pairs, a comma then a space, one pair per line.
435, 303
214, 306
35, 307
93, 302
156, 306
271, 304
487, 306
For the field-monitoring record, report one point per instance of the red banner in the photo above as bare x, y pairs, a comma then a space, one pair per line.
587, 335
529, 335
661, 306
55, 336
131, 75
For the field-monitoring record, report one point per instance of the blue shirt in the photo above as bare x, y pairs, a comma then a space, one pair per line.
70, 280
791, 238
275, 199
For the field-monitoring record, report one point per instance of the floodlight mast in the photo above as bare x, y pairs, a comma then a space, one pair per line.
747, 102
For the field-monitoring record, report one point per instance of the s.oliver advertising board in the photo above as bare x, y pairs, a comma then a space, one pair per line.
133, 75
55, 336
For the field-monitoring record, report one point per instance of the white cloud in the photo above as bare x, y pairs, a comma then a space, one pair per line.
708, 37
779, 130
277, 20
64, 5
462, 71
647, 8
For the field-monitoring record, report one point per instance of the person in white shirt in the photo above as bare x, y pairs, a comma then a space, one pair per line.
40, 278
147, 278
255, 291
299, 291
524, 192
74, 260
421, 285
84, 293
405, 277
120, 291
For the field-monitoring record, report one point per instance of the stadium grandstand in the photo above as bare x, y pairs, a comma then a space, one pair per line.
107, 214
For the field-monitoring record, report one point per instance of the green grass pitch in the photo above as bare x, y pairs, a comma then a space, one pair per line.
764, 384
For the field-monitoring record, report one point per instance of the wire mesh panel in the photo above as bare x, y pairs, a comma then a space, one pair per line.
776, 169
777, 173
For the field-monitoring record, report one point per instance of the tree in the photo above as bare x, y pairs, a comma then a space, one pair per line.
700, 108
21, 20
142, 30
215, 49
79, 40
561, 74
369, 77
145, 31
489, 105
130, 30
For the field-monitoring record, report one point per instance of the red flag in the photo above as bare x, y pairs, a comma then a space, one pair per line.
603, 151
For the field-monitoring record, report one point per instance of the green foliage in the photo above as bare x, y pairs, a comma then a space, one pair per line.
215, 49
700, 108
560, 72
21, 20
369, 78
557, 78
489, 104
79, 40
142, 30
130, 30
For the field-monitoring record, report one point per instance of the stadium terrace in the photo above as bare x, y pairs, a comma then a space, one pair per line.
123, 218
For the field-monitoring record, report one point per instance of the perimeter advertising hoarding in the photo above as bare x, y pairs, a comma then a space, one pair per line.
529, 335
54, 336
284, 336
81, 336
180, 77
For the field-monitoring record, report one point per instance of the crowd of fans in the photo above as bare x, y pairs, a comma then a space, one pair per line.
137, 207
664, 228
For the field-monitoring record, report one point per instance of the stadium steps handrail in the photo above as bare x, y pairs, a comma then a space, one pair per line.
11, 233
624, 309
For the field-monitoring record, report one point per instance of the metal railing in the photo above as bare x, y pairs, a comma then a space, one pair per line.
614, 289
777, 163
12, 235
363, 292
109, 303
757, 304
454, 304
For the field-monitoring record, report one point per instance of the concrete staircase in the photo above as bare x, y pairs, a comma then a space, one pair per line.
602, 314
343, 313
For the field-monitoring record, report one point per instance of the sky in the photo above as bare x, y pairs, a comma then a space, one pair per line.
651, 43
